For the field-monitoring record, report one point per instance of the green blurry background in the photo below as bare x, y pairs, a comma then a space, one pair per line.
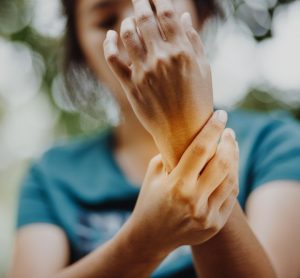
259, 54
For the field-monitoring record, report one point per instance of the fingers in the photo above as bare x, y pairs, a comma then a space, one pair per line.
220, 166
114, 59
132, 41
146, 23
168, 19
192, 34
230, 199
230, 186
202, 148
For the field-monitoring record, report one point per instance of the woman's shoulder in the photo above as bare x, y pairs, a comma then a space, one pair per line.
253, 124
265, 136
261, 117
269, 147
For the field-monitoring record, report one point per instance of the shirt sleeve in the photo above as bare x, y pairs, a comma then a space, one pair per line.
34, 206
277, 154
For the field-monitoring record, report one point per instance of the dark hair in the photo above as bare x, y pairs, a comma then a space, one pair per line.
73, 58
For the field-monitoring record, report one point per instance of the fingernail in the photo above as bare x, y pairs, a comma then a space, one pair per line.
221, 116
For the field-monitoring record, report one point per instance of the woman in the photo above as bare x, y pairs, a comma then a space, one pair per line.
81, 213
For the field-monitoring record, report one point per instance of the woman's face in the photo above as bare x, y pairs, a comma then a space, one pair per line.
93, 19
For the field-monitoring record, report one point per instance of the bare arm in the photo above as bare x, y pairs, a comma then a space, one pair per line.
273, 213
120, 257
42, 251
169, 213
181, 50
235, 251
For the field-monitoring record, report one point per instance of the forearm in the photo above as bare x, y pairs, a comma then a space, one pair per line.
235, 249
120, 257
233, 252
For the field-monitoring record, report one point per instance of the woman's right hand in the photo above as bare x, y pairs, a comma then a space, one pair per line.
168, 82
192, 203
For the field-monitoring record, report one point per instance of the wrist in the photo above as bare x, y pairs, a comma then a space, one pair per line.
172, 146
229, 228
174, 139
134, 244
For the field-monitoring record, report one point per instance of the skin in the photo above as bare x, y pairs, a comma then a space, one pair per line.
226, 230
187, 207
163, 67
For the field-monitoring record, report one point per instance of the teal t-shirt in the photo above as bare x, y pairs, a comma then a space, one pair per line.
80, 188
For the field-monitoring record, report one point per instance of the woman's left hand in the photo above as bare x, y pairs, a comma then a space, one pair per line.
192, 203
168, 83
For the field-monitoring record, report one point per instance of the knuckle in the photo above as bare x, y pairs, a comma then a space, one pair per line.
231, 181
180, 194
183, 191
213, 217
160, 61
236, 190
199, 149
112, 57
142, 78
155, 162
233, 186
166, 14
144, 18
202, 215
223, 163
215, 227
217, 125
148, 74
127, 34
180, 55
202, 221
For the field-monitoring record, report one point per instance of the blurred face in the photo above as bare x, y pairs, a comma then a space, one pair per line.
94, 18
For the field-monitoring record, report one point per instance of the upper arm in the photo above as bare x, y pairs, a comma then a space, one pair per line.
41, 246
40, 251
273, 213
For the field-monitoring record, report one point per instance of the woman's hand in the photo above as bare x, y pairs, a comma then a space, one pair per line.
192, 203
168, 83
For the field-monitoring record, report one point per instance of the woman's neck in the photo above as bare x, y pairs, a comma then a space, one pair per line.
131, 133
133, 148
